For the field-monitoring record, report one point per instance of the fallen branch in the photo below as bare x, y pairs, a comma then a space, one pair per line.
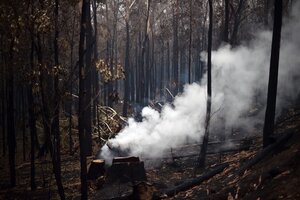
266, 151
195, 181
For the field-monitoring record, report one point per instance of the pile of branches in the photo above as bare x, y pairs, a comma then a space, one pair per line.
108, 124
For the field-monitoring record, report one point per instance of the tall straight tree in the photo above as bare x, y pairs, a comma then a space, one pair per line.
31, 114
273, 75
81, 129
88, 81
3, 113
175, 46
55, 123
190, 44
145, 49
11, 138
226, 22
94, 71
237, 22
202, 156
127, 59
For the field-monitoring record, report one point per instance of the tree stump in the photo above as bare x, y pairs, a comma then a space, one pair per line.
129, 159
96, 169
126, 169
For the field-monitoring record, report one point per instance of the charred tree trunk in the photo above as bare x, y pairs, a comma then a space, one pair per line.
202, 156
55, 123
81, 114
3, 116
162, 70
137, 70
140, 71
144, 58
237, 21
266, 12
168, 64
133, 65
23, 123
31, 114
47, 146
71, 89
11, 119
127, 68
190, 46
153, 70
147, 71
273, 75
226, 22
88, 82
175, 49
32, 127
127, 63
95, 72
3, 106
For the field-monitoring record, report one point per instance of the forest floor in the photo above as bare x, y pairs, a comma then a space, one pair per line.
277, 176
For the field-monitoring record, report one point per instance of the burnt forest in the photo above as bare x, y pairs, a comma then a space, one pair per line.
149, 99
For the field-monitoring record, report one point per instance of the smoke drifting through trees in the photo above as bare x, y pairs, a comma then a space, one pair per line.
239, 83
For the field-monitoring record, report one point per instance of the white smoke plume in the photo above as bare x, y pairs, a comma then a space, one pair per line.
240, 78
158, 132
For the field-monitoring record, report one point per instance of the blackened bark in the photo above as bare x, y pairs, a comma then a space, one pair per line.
137, 70
202, 156
266, 12
237, 21
273, 75
226, 22
175, 48
95, 72
127, 68
32, 127
71, 90
10, 120
88, 82
144, 58
3, 118
31, 114
190, 45
147, 71
133, 77
168, 64
153, 75
23, 124
3, 113
162, 71
142, 69
47, 146
55, 123
82, 131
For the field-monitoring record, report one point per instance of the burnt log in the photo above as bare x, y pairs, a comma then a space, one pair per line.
195, 181
96, 169
265, 152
